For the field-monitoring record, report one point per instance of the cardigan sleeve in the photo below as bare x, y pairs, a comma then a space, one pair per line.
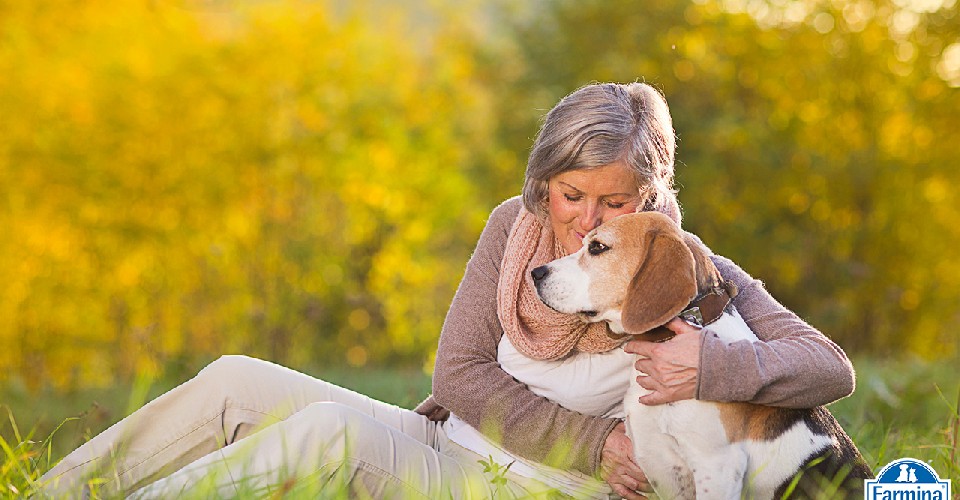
793, 365
469, 381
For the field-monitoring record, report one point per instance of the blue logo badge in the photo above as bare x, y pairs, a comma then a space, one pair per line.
907, 479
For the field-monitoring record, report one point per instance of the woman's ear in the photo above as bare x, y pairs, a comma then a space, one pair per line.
663, 285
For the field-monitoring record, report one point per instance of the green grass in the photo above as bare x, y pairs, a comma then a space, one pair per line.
58, 423
905, 409
901, 408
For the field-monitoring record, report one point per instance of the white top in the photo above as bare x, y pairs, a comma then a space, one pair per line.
589, 383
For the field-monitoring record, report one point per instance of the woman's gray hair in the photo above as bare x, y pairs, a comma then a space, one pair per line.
601, 124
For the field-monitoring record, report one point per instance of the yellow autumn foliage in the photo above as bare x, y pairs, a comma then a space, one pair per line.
180, 181
303, 181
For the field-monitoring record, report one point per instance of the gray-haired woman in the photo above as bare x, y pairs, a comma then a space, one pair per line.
514, 381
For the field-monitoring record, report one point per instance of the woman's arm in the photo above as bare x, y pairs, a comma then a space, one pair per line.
794, 365
469, 382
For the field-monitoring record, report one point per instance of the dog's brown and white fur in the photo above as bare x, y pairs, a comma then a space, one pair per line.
637, 272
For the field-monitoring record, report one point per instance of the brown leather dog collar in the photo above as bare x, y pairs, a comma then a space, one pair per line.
705, 309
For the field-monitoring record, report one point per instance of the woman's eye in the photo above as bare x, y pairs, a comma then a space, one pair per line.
616, 206
573, 197
597, 248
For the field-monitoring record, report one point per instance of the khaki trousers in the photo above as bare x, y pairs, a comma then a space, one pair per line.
248, 427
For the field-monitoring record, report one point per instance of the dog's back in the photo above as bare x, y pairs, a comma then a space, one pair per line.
837, 471
795, 453
766, 451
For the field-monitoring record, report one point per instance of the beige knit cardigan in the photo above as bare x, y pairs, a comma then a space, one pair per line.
795, 366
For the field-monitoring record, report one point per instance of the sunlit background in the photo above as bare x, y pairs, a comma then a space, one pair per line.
304, 181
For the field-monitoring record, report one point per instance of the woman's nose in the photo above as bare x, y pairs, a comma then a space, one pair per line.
591, 218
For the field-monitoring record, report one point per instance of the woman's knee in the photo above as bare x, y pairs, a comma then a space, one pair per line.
236, 378
329, 412
331, 421
340, 434
233, 368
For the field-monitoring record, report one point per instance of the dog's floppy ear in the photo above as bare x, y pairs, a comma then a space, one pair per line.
663, 285
707, 274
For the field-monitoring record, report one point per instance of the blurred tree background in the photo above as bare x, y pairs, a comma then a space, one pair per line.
304, 181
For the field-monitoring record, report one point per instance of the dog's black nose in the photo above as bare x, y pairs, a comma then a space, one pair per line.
539, 273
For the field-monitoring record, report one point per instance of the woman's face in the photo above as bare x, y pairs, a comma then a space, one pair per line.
580, 200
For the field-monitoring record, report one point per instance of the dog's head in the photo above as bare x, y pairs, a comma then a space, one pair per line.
637, 271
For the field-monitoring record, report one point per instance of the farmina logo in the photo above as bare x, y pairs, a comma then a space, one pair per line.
907, 479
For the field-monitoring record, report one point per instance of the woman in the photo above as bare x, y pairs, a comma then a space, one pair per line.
514, 383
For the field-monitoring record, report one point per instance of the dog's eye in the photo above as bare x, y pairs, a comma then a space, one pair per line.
597, 248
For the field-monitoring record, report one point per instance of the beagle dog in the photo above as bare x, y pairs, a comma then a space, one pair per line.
639, 271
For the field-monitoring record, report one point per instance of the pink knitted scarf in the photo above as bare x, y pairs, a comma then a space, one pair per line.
534, 329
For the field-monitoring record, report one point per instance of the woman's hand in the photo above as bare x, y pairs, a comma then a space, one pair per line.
672, 367
617, 466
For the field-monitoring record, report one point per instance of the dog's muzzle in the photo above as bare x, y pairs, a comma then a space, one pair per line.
539, 274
